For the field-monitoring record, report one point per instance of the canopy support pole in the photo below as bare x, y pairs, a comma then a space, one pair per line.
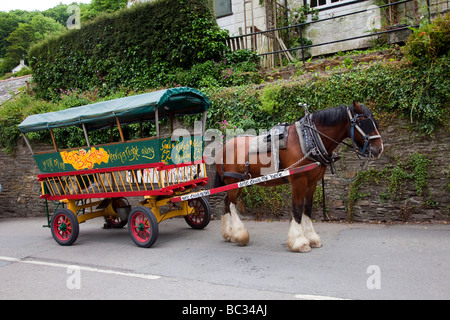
53, 139
27, 142
86, 135
120, 130
157, 122
205, 113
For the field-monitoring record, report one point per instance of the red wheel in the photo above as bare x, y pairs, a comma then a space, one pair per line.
143, 227
65, 227
201, 217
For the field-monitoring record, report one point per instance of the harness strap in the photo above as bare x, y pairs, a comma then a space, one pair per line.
237, 175
354, 124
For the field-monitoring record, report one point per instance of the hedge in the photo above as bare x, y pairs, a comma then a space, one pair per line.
134, 48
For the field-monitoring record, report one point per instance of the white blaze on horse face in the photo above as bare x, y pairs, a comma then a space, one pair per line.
297, 241
381, 141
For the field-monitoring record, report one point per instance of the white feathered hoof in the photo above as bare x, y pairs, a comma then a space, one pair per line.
296, 241
226, 228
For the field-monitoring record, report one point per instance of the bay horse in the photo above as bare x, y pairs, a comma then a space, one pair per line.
333, 126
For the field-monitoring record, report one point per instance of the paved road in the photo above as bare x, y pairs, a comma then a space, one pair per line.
12, 84
357, 261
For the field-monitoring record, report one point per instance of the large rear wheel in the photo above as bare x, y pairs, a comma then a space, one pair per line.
201, 216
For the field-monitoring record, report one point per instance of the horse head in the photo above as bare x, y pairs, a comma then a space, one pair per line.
364, 131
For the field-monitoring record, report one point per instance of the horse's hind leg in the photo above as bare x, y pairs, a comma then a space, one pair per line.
233, 229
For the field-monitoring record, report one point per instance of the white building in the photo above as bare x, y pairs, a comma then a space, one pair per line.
19, 67
345, 19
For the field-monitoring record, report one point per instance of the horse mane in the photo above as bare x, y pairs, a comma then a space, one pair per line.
337, 115
331, 117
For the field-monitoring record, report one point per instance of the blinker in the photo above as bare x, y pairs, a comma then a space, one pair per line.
367, 126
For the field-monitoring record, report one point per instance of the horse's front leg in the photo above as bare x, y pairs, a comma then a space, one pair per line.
308, 229
233, 228
297, 241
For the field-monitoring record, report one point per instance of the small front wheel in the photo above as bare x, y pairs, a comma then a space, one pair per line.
65, 227
201, 216
143, 227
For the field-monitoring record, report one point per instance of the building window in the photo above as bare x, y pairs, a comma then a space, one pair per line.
222, 8
324, 3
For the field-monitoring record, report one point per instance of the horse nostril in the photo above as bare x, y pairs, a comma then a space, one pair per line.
376, 152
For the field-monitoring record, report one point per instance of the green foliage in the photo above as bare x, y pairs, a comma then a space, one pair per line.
136, 48
235, 69
266, 201
418, 93
271, 98
298, 15
13, 112
429, 42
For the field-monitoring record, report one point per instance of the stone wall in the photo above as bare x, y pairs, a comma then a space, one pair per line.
20, 192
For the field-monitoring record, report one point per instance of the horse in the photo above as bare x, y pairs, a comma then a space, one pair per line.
234, 163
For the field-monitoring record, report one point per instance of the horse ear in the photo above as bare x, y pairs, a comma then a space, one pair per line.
357, 107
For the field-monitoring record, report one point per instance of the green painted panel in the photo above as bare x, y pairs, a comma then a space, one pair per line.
123, 154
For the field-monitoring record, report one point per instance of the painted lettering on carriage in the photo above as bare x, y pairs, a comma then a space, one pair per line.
129, 154
82, 159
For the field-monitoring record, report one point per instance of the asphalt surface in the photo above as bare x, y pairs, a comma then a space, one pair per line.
357, 261
12, 84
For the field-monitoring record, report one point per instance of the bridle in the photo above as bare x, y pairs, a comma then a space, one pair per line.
363, 126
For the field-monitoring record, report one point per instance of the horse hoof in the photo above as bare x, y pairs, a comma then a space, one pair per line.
241, 237
299, 246
315, 243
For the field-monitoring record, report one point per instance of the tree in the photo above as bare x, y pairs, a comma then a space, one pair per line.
20, 41
44, 26
8, 23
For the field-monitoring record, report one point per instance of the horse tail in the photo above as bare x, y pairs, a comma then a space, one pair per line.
218, 182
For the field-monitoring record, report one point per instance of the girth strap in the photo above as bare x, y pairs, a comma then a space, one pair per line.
237, 175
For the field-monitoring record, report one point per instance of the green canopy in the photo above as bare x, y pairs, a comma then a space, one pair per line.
178, 101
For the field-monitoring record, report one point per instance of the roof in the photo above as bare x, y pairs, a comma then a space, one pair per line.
178, 101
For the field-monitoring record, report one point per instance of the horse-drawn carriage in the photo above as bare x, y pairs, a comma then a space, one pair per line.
96, 180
